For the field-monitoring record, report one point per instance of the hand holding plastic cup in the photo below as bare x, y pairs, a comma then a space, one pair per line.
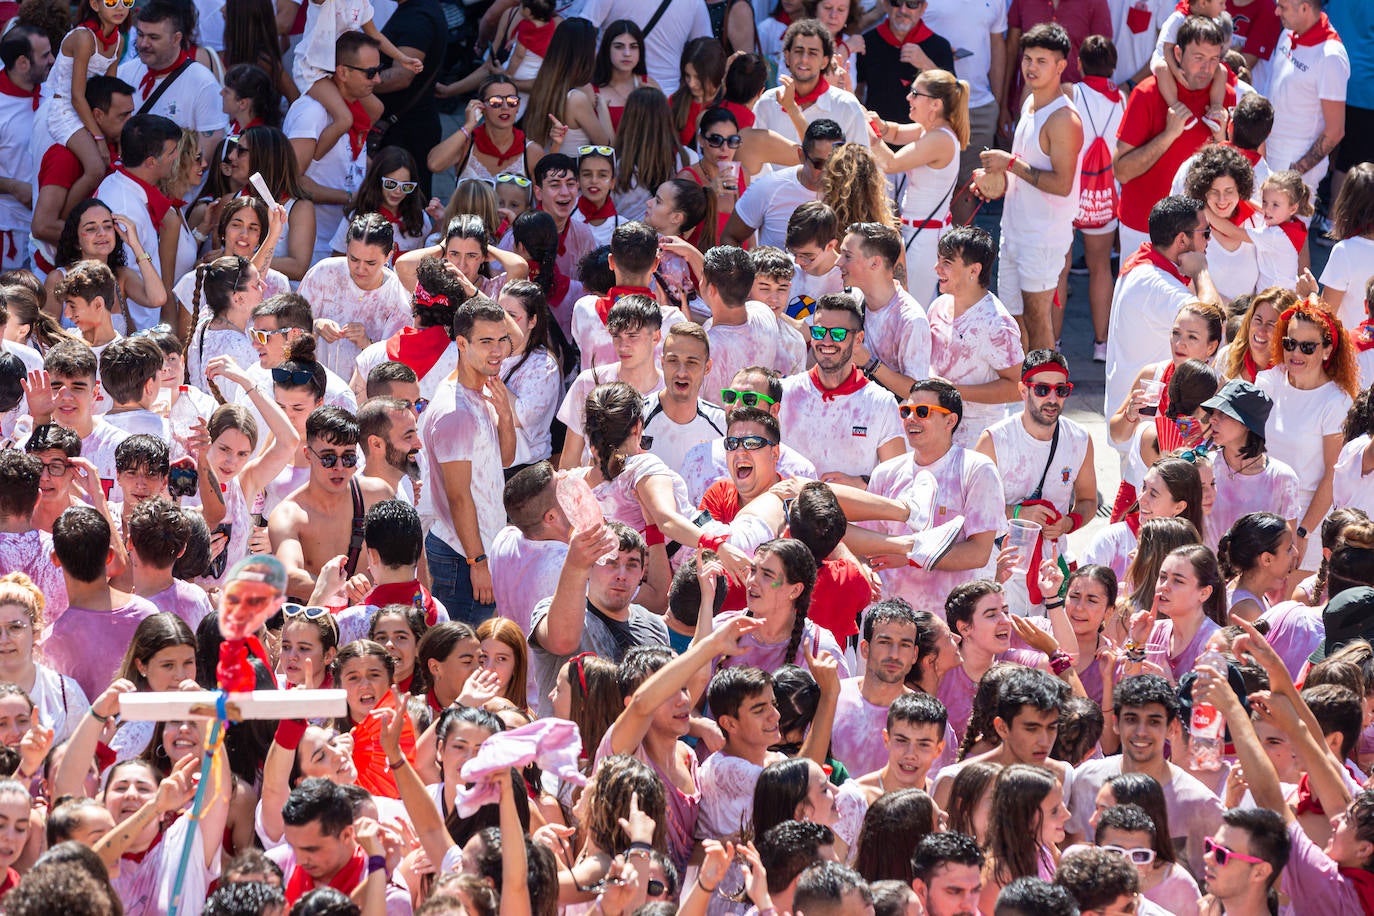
1022, 537
579, 504
1153, 389
729, 175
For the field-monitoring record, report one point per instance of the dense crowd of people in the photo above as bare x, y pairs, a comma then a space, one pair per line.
683, 510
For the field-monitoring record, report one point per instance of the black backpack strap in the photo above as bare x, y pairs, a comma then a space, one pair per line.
653, 20
355, 540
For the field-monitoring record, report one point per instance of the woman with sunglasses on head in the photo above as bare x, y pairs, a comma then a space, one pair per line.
92, 233
927, 166
389, 188
1312, 385
620, 69
248, 228
266, 150
356, 299
307, 647
1251, 350
562, 94
488, 142
718, 138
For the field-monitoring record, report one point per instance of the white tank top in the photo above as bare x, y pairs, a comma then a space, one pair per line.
1047, 218
927, 186
1021, 458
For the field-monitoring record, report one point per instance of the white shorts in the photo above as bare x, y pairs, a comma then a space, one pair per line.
1029, 268
1103, 230
1131, 240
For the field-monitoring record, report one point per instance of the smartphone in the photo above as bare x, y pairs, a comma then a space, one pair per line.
218, 563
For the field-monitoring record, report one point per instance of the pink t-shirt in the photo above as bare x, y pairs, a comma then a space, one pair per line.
971, 350
88, 646
898, 333
1157, 647
682, 807
734, 346
1314, 878
770, 655
957, 689
31, 553
857, 738
727, 795
187, 601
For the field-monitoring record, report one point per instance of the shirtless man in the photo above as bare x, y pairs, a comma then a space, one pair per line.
315, 523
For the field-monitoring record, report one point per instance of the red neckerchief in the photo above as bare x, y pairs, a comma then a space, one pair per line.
487, 147
150, 78
1249, 368
535, 38
591, 211
420, 350
362, 123
1164, 380
1296, 232
345, 880
782, 16
105, 37
1103, 86
1037, 551
914, 37
745, 116
1133, 523
410, 593
403, 685
393, 218
1251, 155
563, 234
236, 128
138, 857
816, 92
11, 879
1243, 212
8, 87
1146, 254
1321, 31
557, 290
433, 702
158, 203
850, 385
1364, 336
1185, 7
1363, 883
603, 305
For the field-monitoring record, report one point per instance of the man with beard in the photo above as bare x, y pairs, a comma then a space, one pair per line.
394, 538
390, 441
888, 649
469, 433
324, 519
1045, 461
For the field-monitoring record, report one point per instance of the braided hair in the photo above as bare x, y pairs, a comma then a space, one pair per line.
799, 566
613, 412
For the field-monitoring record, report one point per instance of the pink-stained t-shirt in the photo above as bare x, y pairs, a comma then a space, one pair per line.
523, 572
1295, 632
88, 645
840, 433
770, 656
1314, 878
967, 484
1157, 646
857, 737
734, 346
619, 498
31, 554
594, 340
333, 295
727, 795
683, 808
957, 689
1273, 489
899, 333
970, 350
187, 601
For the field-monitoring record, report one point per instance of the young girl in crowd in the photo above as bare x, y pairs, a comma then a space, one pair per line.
307, 648
447, 655
1280, 243
718, 136
514, 196
161, 657
647, 150
92, 233
534, 372
1190, 604
970, 807
398, 628
702, 72
1251, 349
232, 287
93, 48
1164, 881
57, 700
1024, 837
249, 229
620, 69
390, 188
1256, 556
1172, 489
506, 653
266, 151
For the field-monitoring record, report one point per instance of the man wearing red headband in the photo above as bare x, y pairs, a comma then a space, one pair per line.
1045, 461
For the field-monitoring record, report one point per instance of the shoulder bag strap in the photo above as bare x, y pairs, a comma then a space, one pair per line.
1054, 445
931, 215
355, 540
157, 93
653, 20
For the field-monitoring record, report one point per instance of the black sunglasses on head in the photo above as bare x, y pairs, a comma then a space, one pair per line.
292, 376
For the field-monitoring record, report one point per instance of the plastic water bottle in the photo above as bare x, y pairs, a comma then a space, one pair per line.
1207, 729
183, 415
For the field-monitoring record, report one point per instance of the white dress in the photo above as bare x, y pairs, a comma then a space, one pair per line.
63, 121
332, 293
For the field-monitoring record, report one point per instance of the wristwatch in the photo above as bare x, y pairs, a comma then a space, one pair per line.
871, 367
1302, 532
480, 558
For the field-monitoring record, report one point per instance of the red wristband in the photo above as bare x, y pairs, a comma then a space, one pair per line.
711, 542
653, 536
289, 733
1077, 521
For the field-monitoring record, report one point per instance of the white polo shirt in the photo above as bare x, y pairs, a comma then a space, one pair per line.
339, 168
1304, 70
1144, 304
836, 104
192, 101
767, 204
16, 129
838, 433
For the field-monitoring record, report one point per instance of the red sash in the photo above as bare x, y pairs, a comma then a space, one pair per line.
850, 385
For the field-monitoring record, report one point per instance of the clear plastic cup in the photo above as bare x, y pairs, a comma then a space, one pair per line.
1153, 390
1022, 537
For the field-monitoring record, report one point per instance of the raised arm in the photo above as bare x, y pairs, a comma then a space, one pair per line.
560, 630
425, 817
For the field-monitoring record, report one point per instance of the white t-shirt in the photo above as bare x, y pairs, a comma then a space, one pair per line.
1349, 486
1297, 423
460, 425
768, 202
99, 448
671, 441
855, 425
898, 333
1348, 268
573, 411
523, 572
1300, 78
16, 131
339, 169
1144, 304
192, 101
594, 340
536, 387
679, 24
333, 294
1135, 23
972, 350
734, 346
126, 197
835, 103
968, 25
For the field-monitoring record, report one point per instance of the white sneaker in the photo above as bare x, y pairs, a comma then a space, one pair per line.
1099, 351
932, 545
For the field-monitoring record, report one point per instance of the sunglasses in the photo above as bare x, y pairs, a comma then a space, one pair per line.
520, 181
716, 141
921, 95
596, 150
349, 459
111, 4
1140, 855
909, 4
309, 611
1197, 452
261, 337
1223, 855
369, 72
655, 888
1308, 347
406, 187
420, 404
748, 443
503, 101
292, 376
1043, 389
836, 334
921, 411
163, 328
747, 398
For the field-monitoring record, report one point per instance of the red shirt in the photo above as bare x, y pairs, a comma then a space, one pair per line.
721, 499
840, 595
1144, 119
60, 166
1257, 27
1080, 18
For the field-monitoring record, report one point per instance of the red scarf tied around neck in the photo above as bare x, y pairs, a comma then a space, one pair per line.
850, 385
592, 213
150, 78
345, 880
806, 98
914, 37
8, 87
487, 147
1146, 254
357, 134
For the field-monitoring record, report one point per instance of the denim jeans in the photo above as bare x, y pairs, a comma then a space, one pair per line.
451, 582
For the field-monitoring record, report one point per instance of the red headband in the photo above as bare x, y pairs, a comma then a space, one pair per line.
1043, 367
424, 300
1326, 318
